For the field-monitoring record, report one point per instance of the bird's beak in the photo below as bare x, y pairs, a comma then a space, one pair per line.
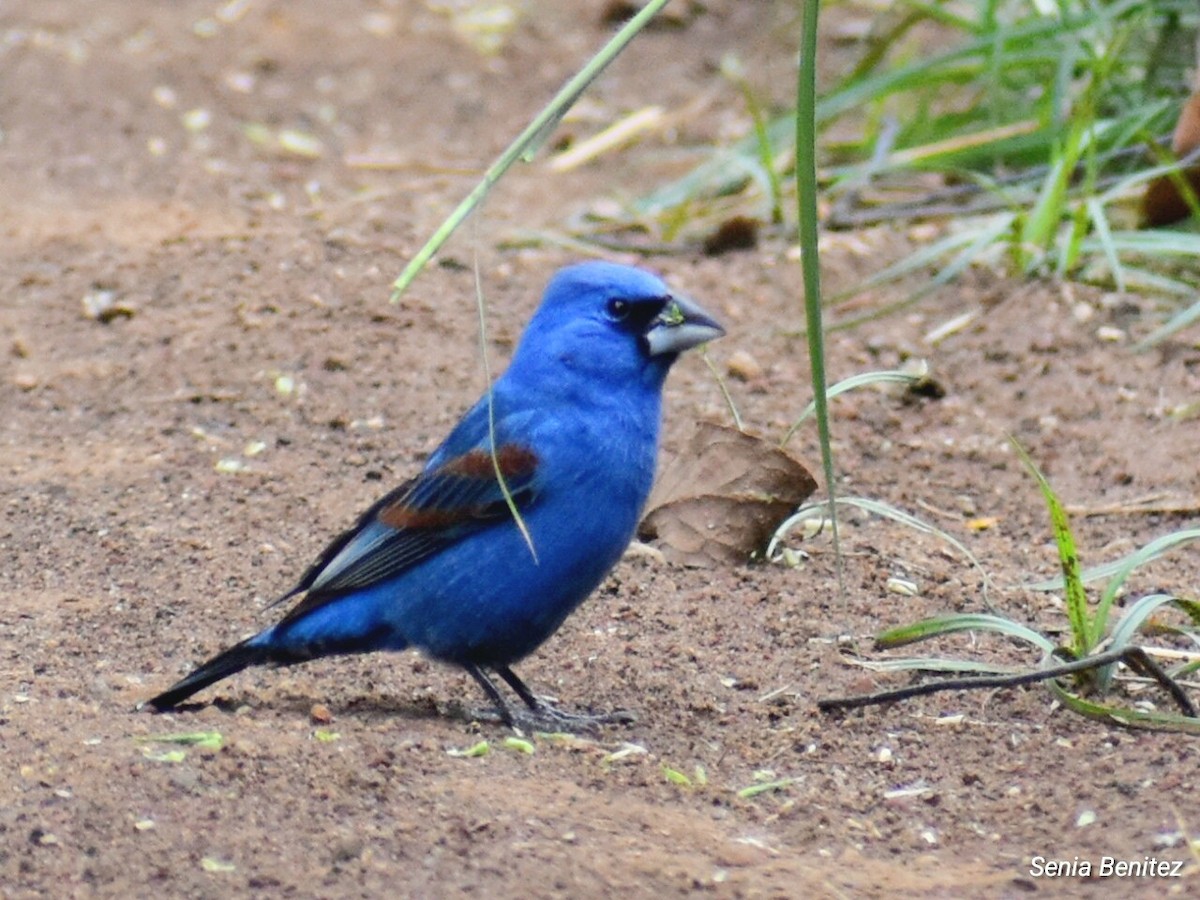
680, 326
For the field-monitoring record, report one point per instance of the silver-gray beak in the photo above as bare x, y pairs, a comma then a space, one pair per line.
680, 326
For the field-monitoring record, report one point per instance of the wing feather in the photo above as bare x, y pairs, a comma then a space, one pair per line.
437, 508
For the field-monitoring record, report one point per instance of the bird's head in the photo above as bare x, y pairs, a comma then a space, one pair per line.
612, 323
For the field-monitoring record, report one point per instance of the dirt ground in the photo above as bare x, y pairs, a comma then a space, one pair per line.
173, 464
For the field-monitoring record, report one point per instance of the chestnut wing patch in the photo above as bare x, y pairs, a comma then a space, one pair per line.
420, 517
463, 488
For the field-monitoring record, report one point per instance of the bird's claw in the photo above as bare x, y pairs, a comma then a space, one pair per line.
549, 718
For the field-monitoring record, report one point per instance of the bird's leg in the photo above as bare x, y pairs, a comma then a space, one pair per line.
493, 693
520, 688
542, 714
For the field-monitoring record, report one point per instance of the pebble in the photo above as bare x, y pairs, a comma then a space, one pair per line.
744, 367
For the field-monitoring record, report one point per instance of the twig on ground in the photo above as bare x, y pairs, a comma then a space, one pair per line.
1134, 657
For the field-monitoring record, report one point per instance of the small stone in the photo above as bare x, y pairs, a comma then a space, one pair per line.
195, 120
320, 714
103, 307
25, 381
300, 143
905, 587
165, 96
744, 367
739, 854
347, 849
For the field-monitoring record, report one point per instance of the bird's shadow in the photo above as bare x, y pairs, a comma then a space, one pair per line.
366, 709
381, 708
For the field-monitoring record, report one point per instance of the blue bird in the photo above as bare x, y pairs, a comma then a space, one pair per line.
441, 564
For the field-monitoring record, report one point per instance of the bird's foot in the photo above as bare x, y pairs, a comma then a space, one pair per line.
539, 713
550, 718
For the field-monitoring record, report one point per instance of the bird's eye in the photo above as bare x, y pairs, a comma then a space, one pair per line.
618, 310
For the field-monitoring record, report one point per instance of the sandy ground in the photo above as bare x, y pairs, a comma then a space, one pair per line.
171, 469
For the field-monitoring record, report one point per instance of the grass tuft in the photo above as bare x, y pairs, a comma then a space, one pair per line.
1084, 682
1029, 131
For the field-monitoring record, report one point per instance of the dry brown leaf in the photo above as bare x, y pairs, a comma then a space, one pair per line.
1162, 203
723, 496
735, 233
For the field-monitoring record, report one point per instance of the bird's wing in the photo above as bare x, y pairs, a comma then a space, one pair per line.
452, 498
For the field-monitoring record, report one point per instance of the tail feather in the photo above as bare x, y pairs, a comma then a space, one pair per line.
230, 662
277, 648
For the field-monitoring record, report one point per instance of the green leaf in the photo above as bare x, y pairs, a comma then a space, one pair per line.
765, 787
205, 740
164, 756
1104, 236
1126, 564
1131, 562
1085, 633
1177, 322
520, 745
941, 625
1128, 627
939, 664
1130, 718
479, 749
675, 776
806, 213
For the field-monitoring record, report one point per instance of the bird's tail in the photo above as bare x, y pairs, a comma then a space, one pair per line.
231, 661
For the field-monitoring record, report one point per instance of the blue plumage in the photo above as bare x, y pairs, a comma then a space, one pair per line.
440, 564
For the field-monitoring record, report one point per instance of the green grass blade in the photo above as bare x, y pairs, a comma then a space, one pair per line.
1143, 281
899, 515
732, 69
1138, 558
724, 388
717, 175
886, 376
939, 664
886, 511
1022, 46
1176, 323
1017, 83
1191, 608
481, 308
1042, 221
942, 625
1126, 629
1104, 236
1083, 639
979, 242
806, 202
1161, 243
1126, 564
528, 140
1135, 617
926, 256
1131, 718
